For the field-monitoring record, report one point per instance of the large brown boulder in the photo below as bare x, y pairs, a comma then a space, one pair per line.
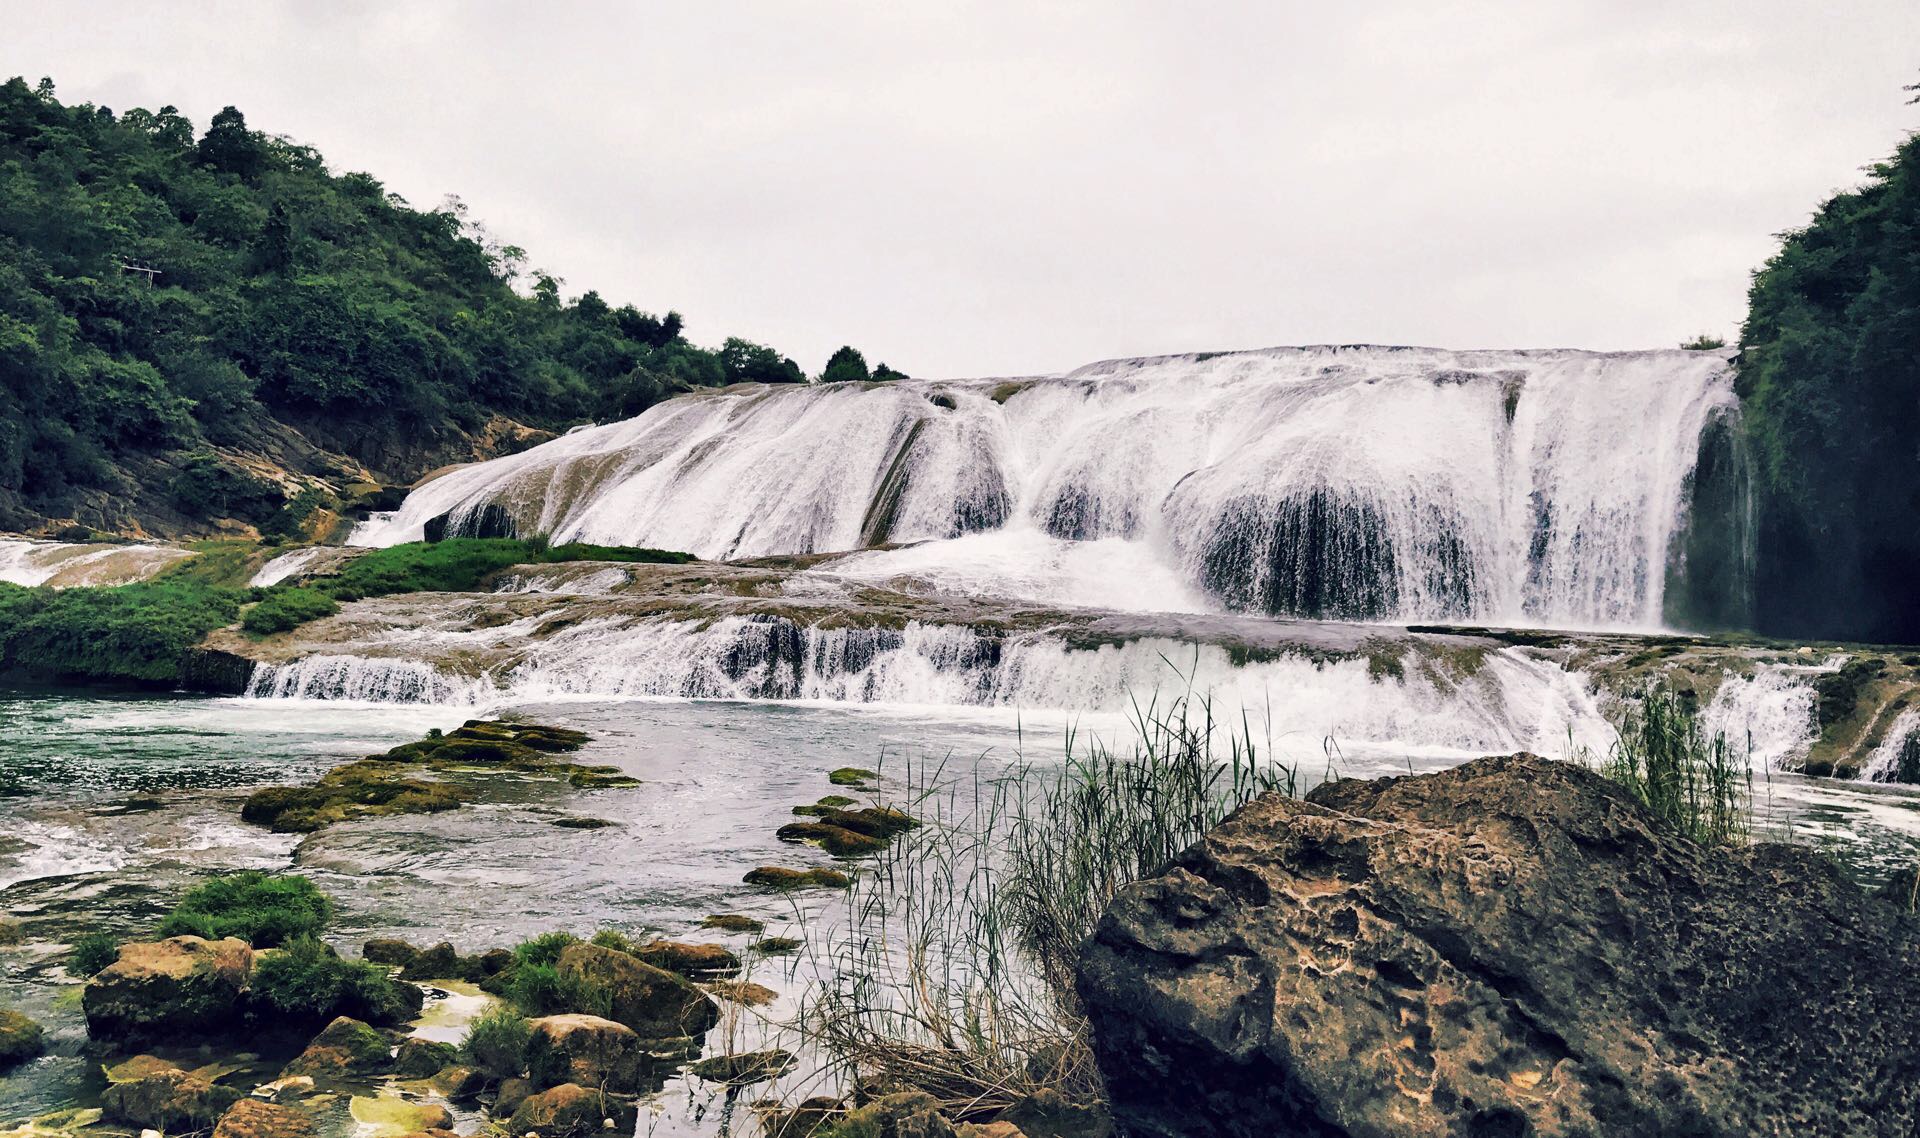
587, 1050
344, 1049
251, 1118
1511, 947
571, 1111
167, 1099
181, 986
652, 1001
20, 1038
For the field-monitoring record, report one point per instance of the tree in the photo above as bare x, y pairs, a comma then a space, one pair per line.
882, 372
229, 147
747, 362
845, 366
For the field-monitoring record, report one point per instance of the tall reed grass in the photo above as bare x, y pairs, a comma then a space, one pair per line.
1694, 780
954, 973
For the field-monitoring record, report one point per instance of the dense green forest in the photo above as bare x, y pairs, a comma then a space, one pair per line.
1829, 373
164, 291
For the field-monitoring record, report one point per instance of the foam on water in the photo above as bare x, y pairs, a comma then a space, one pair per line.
1770, 711
1508, 702
1361, 482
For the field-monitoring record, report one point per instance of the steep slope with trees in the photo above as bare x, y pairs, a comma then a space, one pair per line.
207, 326
1830, 374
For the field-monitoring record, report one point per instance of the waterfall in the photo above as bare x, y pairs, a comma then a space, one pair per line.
61, 565
1486, 701
1518, 487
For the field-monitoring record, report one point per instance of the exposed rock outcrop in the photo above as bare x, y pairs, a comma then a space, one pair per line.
251, 1118
20, 1038
168, 1099
587, 1050
653, 1002
1511, 947
181, 986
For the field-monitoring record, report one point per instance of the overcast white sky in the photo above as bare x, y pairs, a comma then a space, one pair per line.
1016, 188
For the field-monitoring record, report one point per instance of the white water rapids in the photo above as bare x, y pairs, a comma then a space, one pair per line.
1518, 488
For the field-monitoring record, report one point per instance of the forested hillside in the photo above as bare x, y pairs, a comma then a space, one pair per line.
1830, 374
203, 323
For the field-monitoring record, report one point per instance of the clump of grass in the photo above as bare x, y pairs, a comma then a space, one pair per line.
496, 1043
287, 608
308, 981
92, 952
265, 910
954, 975
1693, 780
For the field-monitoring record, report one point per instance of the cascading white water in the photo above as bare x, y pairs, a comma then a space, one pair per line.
24, 561
1526, 487
1505, 702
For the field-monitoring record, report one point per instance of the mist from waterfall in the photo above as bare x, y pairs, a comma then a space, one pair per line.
1365, 483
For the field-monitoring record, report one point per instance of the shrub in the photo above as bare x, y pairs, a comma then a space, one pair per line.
287, 608
262, 909
92, 952
307, 980
130, 633
496, 1043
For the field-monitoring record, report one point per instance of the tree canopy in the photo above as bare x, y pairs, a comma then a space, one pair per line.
161, 292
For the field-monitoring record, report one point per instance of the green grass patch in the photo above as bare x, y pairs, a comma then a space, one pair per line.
283, 609
265, 910
92, 952
459, 565
1693, 780
129, 633
307, 980
496, 1043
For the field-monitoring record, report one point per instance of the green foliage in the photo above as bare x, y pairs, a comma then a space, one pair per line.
460, 564
92, 952
287, 608
307, 980
283, 289
845, 366
1829, 370
544, 990
262, 909
496, 1043
1704, 342
544, 949
209, 487
883, 373
1693, 781
135, 633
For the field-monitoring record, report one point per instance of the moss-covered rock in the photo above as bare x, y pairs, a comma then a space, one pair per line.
852, 776
388, 950
20, 1039
743, 992
572, 1111
695, 960
652, 1001
344, 1048
732, 923
183, 986
168, 1100
783, 879
743, 1070
423, 1058
587, 1050
777, 945
908, 1114
441, 962
833, 839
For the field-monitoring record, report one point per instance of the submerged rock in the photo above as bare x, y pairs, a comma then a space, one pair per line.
744, 1069
572, 1111
696, 960
652, 1001
251, 1118
168, 1099
181, 986
388, 950
1511, 947
777, 877
20, 1038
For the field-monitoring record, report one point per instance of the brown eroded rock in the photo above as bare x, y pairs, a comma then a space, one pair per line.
252, 1118
168, 1100
181, 986
572, 1111
699, 960
1510, 947
587, 1050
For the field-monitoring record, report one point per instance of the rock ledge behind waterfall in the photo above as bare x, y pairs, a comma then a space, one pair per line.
1511, 947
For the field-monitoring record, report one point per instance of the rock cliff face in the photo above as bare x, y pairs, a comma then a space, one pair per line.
1512, 947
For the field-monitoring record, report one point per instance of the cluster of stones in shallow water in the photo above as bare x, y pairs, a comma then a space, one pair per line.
393, 783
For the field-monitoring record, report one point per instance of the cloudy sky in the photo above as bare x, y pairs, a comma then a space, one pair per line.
973, 189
